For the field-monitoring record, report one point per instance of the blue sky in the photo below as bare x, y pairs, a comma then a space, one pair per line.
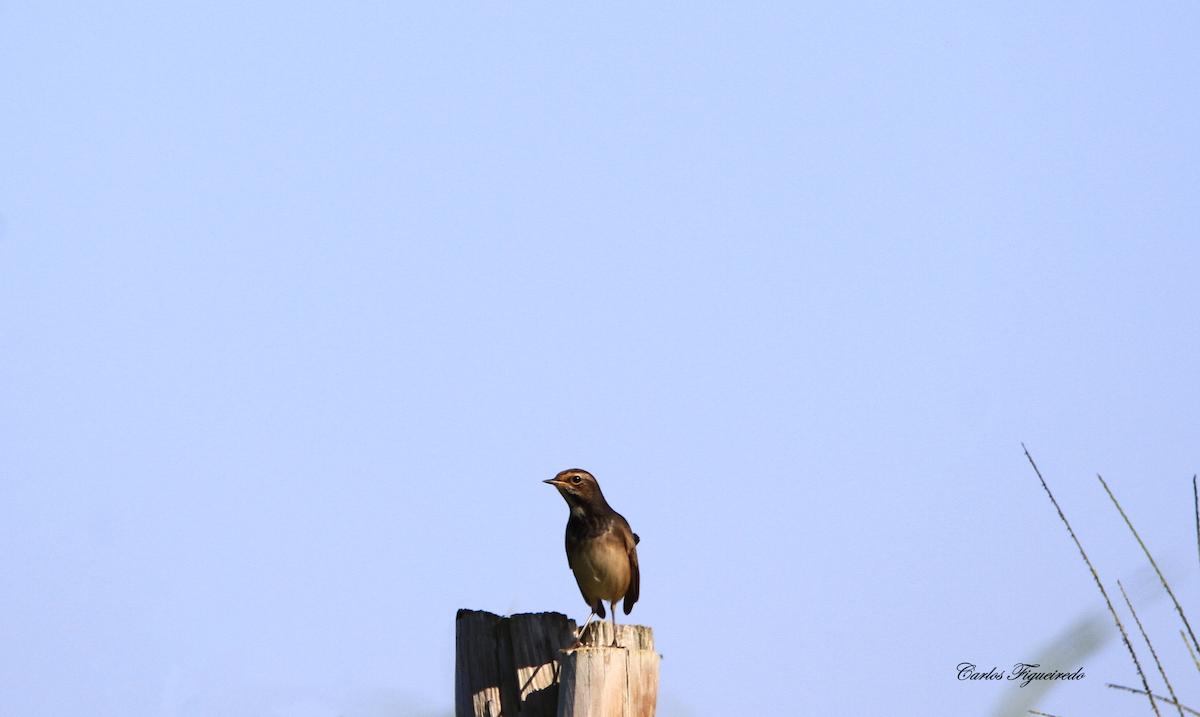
300, 303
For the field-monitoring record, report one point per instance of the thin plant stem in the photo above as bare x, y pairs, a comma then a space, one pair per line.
1196, 497
1153, 654
1188, 645
1096, 577
1152, 563
1157, 697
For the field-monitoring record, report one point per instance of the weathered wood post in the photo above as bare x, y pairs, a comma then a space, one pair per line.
517, 667
506, 665
610, 682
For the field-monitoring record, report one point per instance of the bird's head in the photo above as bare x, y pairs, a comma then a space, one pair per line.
577, 487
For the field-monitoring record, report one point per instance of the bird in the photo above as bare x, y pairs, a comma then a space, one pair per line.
601, 547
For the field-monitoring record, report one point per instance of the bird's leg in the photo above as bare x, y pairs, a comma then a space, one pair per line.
613, 604
579, 635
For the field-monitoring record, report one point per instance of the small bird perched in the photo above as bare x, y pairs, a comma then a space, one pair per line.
601, 549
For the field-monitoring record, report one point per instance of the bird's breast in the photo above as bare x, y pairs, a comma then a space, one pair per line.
601, 565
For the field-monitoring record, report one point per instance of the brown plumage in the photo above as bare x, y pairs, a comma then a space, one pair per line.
601, 548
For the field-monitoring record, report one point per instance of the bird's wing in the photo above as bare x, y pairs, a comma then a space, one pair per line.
631, 594
596, 605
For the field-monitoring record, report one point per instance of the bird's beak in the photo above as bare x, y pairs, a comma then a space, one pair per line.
554, 481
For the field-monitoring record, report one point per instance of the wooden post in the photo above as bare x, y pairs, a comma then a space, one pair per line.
517, 667
610, 682
506, 665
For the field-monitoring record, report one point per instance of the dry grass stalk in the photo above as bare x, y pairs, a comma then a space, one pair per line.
1152, 563
1153, 654
1099, 584
1157, 697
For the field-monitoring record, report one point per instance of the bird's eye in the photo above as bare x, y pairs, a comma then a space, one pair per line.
576, 479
